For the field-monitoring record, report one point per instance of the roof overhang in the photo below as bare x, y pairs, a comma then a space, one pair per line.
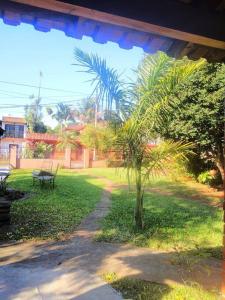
172, 26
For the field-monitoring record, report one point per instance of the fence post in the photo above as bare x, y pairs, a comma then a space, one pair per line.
13, 156
68, 157
86, 158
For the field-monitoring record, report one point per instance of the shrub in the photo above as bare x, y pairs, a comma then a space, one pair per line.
209, 177
205, 177
42, 150
27, 152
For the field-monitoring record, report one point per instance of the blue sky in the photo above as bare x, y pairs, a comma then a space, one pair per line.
25, 52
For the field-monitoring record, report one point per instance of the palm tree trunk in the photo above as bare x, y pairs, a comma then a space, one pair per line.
220, 160
138, 214
220, 168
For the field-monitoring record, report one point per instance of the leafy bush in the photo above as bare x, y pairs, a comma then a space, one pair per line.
37, 150
205, 177
99, 138
27, 152
211, 178
42, 150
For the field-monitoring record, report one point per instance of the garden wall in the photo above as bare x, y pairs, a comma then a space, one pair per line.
98, 164
25, 163
68, 161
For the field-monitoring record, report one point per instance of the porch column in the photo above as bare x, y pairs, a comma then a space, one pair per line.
13, 159
67, 157
86, 158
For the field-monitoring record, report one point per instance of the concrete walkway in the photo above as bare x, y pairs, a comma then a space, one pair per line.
69, 269
40, 283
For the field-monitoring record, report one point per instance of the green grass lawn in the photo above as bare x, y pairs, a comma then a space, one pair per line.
137, 289
171, 222
50, 213
180, 188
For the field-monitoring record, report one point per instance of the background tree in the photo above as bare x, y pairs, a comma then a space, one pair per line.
33, 116
100, 138
200, 117
86, 110
66, 139
63, 114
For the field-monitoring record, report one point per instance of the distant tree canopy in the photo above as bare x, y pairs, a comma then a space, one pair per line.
99, 138
200, 116
86, 111
63, 114
33, 116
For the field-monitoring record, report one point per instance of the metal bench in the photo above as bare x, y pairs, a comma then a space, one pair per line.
45, 176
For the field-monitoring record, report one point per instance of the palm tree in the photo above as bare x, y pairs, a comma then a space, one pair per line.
64, 114
86, 111
33, 116
153, 101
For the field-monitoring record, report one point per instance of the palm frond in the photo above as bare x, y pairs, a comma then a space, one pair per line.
159, 77
157, 159
106, 80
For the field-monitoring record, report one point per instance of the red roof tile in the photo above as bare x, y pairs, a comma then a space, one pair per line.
16, 120
75, 127
42, 137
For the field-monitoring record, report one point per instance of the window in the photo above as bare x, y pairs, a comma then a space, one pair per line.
15, 131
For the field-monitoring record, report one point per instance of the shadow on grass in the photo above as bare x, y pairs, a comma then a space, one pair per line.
133, 288
170, 223
189, 190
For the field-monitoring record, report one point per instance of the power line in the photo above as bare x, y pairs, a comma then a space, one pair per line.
36, 86
13, 92
30, 97
42, 105
25, 96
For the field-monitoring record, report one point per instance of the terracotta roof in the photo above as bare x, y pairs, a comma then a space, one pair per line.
42, 137
75, 127
14, 120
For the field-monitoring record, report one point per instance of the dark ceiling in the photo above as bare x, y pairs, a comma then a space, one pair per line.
202, 17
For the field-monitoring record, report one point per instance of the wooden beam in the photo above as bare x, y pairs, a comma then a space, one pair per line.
75, 10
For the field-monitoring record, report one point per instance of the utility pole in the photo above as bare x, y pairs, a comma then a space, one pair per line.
39, 87
96, 120
37, 102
